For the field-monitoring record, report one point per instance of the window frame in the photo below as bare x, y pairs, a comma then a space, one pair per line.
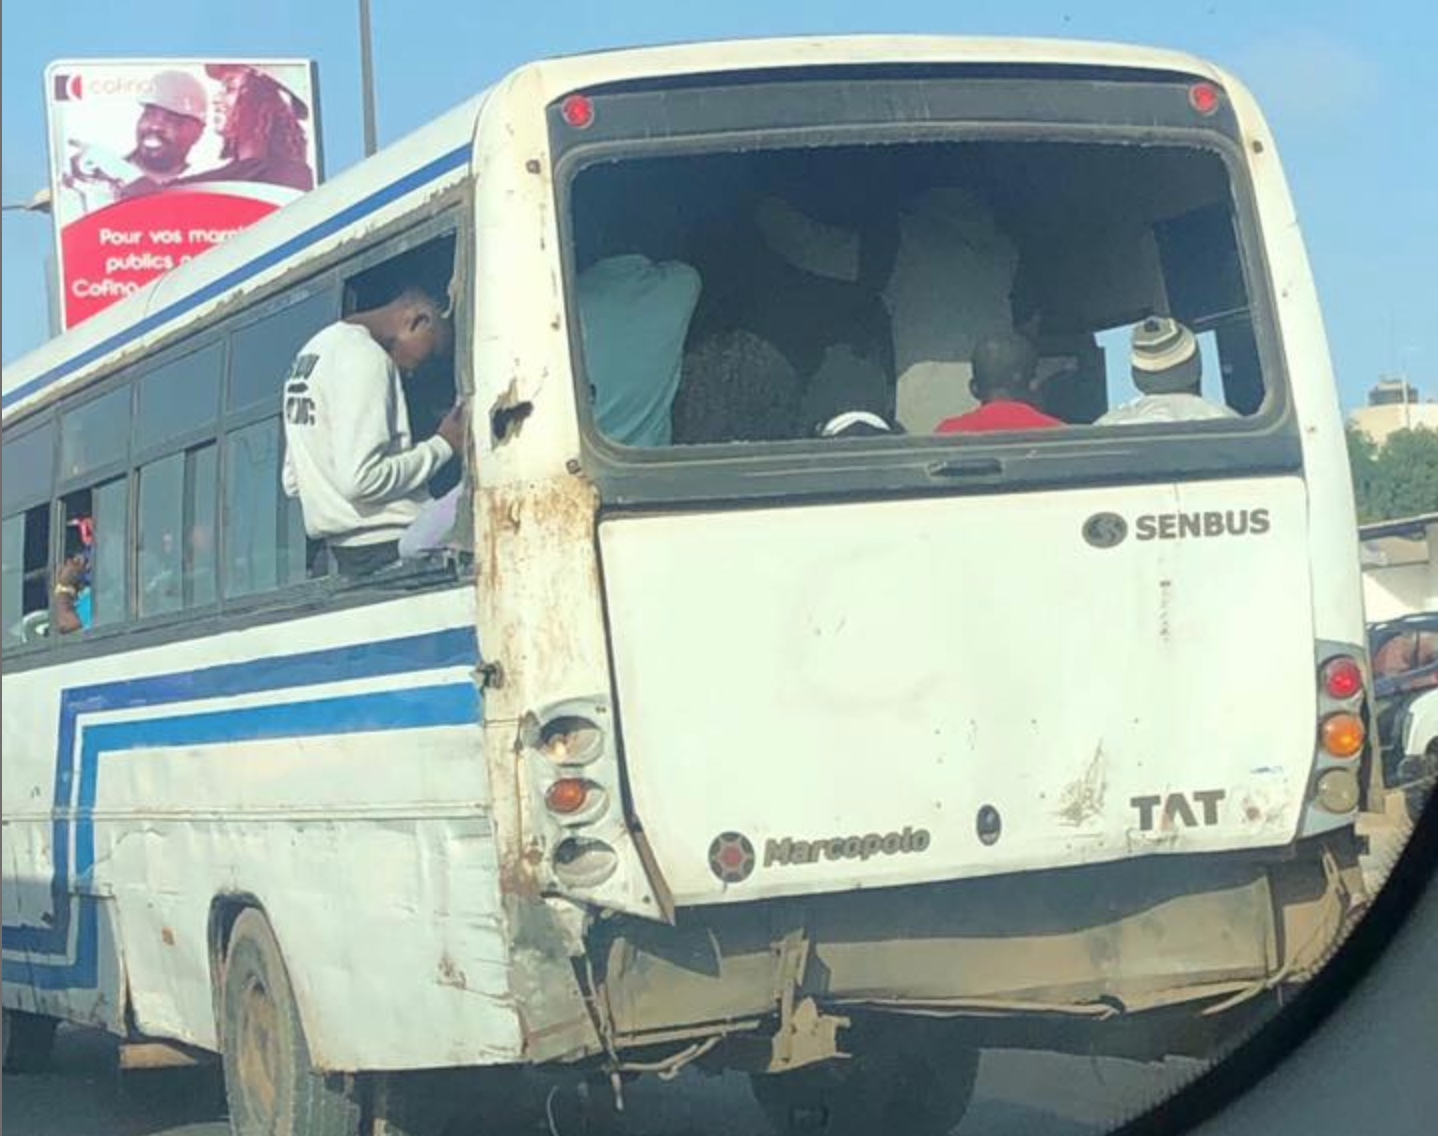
753, 473
450, 213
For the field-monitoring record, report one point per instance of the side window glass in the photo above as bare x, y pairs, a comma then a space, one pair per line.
162, 526
25, 581
202, 470
261, 354
95, 434
95, 540
176, 537
12, 578
264, 532
25, 467
179, 398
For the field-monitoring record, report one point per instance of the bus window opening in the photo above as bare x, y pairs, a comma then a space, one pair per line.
944, 288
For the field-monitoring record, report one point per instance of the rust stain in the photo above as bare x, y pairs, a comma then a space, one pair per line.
1082, 799
167, 936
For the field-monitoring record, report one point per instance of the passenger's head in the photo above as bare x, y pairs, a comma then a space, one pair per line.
413, 327
846, 382
1004, 367
1165, 357
172, 118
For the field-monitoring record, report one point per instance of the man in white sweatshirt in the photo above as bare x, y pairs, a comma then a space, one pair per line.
349, 456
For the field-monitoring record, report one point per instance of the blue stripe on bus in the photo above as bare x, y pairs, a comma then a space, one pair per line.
346, 714
428, 172
453, 704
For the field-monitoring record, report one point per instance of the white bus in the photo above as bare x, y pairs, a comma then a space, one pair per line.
707, 737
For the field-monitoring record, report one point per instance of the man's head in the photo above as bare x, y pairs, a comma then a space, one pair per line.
1004, 368
1165, 357
172, 118
414, 328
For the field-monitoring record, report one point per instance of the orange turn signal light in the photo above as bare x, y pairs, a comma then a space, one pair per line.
1342, 735
567, 795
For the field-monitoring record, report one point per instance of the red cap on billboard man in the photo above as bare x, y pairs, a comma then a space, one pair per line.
172, 118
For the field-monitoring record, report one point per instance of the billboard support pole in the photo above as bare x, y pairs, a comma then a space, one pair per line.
367, 78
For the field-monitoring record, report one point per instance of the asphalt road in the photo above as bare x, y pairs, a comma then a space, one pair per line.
1018, 1093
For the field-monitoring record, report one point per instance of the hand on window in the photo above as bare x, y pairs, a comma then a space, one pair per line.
451, 429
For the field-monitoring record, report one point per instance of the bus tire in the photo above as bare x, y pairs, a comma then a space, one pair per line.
29, 1041
885, 1087
270, 1085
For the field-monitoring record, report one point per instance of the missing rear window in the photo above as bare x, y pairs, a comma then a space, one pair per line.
931, 288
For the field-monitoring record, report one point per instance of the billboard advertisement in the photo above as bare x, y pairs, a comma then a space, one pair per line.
154, 161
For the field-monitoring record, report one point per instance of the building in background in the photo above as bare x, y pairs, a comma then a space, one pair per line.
1400, 575
1393, 404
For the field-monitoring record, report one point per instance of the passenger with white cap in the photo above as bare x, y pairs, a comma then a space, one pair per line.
1168, 371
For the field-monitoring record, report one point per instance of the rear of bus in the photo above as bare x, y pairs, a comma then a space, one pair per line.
1055, 725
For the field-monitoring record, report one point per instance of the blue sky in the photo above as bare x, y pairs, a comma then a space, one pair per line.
1348, 89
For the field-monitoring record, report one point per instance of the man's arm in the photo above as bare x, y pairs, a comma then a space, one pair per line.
64, 617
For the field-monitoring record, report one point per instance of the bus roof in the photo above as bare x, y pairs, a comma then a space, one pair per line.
437, 155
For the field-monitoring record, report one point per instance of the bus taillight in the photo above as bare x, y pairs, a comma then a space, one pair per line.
1342, 678
1342, 735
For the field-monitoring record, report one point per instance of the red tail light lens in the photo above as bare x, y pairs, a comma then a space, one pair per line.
1203, 97
1342, 678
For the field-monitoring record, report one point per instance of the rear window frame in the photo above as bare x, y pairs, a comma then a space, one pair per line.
1267, 441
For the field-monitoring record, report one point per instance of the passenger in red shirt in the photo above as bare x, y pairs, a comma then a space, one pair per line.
1003, 382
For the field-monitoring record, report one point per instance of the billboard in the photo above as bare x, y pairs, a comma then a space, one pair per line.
154, 161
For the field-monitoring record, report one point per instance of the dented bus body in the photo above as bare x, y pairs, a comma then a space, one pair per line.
753, 750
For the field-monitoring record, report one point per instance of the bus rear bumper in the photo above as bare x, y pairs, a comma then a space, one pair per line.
1051, 955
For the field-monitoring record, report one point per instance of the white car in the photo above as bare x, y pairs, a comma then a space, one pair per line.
1417, 739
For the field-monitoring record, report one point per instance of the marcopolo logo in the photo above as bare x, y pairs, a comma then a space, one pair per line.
787, 850
731, 857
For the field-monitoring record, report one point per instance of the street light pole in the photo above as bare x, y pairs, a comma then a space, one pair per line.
38, 203
367, 78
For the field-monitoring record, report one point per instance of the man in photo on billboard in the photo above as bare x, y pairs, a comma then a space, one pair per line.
172, 118
260, 121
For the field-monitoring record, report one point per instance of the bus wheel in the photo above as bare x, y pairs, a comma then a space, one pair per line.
896, 1084
29, 1041
269, 1084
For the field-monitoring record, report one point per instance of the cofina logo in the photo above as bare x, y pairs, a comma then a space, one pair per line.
68, 88
74, 86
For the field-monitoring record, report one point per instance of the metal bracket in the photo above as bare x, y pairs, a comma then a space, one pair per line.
805, 1035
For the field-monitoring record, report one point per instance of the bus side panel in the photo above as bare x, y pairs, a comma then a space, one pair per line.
328, 770
1332, 520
